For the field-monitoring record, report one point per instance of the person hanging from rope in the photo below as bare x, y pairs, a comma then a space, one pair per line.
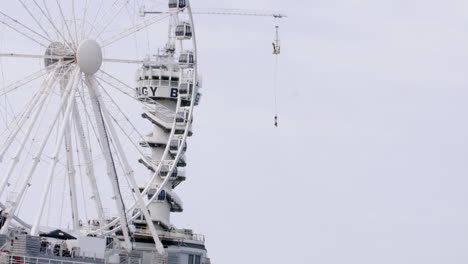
276, 52
276, 43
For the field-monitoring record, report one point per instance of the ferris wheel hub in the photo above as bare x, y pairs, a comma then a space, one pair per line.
56, 49
89, 56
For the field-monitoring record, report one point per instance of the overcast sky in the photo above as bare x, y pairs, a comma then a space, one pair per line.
368, 163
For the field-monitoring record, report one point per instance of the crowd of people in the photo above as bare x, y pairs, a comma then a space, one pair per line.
55, 249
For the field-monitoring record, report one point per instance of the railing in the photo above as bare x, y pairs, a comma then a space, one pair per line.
159, 83
174, 234
162, 112
6, 258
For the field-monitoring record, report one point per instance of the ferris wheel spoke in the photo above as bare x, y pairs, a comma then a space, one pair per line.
127, 135
117, 86
47, 15
26, 80
133, 30
22, 31
66, 100
15, 125
6, 17
83, 19
107, 152
94, 21
75, 41
121, 112
61, 137
102, 17
14, 161
75, 22
26, 115
35, 20
32, 56
104, 28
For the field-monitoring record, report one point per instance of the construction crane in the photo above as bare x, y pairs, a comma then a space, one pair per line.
245, 12
224, 12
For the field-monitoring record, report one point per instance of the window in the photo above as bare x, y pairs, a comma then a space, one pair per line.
162, 196
172, 3
194, 259
180, 31
174, 145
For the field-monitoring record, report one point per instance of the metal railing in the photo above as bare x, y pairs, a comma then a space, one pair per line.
174, 234
161, 112
159, 83
7, 258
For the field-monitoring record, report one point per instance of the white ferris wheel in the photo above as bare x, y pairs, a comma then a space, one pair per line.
72, 153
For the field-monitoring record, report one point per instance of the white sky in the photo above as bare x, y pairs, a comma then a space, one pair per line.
368, 164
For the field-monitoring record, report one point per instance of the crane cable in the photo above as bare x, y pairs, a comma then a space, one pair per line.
275, 88
276, 52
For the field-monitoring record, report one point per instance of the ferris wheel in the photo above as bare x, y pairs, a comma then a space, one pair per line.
73, 154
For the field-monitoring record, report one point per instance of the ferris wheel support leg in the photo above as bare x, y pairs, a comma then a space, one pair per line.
61, 136
12, 210
130, 175
70, 163
86, 153
71, 178
107, 152
44, 95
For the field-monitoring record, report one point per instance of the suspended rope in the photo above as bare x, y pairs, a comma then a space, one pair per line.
275, 92
276, 52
